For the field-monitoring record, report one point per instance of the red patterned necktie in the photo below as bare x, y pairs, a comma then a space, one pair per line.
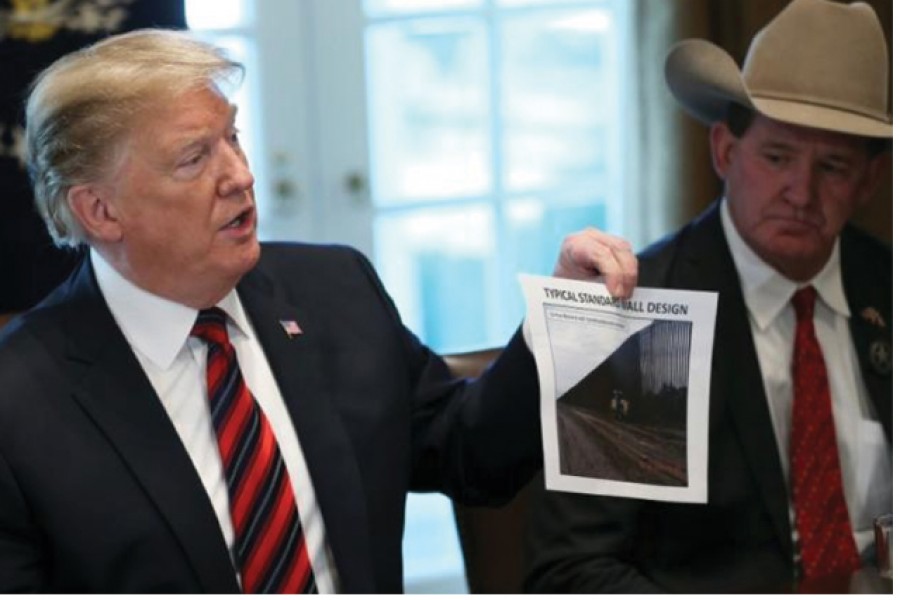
823, 523
269, 547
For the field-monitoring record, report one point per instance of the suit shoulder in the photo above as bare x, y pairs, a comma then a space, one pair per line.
31, 346
862, 248
39, 322
867, 270
305, 254
661, 261
306, 249
657, 260
327, 268
660, 249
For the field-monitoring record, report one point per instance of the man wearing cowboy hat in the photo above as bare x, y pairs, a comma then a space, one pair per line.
799, 138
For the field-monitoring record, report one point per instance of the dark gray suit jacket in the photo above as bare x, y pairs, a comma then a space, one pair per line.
97, 493
740, 540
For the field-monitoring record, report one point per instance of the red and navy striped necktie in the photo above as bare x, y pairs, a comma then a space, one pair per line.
269, 548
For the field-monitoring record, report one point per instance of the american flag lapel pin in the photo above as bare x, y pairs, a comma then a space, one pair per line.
291, 328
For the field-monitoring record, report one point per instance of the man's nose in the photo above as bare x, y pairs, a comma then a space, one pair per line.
801, 186
236, 176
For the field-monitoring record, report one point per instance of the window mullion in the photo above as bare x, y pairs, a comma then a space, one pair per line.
502, 261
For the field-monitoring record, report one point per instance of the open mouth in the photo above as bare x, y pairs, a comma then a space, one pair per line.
241, 220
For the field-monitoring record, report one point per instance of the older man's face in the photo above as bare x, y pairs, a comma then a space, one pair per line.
792, 189
183, 196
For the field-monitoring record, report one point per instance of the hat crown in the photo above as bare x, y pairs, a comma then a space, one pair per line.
822, 53
817, 64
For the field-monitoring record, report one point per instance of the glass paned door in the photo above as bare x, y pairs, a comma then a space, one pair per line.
429, 110
493, 129
493, 133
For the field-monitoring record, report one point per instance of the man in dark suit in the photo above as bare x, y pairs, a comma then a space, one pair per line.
192, 411
799, 140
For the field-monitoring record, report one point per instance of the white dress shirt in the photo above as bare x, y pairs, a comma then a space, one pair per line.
862, 446
158, 331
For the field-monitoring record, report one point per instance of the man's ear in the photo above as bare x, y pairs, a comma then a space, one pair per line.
721, 144
91, 206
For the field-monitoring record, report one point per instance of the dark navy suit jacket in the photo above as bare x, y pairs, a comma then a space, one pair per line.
741, 539
97, 493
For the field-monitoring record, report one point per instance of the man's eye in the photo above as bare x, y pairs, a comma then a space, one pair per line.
834, 168
192, 160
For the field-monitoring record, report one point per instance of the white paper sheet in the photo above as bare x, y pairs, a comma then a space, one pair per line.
624, 388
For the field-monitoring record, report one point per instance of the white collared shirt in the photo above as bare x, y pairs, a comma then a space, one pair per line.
158, 331
862, 446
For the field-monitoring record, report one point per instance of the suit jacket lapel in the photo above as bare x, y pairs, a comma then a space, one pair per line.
866, 295
736, 375
113, 389
297, 361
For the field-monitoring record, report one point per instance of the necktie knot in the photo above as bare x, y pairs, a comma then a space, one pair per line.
210, 326
804, 301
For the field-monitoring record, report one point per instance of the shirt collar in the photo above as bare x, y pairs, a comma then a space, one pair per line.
766, 291
155, 326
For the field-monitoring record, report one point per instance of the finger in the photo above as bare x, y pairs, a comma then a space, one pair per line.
609, 265
589, 253
628, 264
616, 262
608, 239
577, 258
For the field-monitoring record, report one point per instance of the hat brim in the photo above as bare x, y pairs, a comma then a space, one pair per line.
822, 117
705, 79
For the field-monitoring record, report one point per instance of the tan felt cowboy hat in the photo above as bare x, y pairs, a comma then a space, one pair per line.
817, 63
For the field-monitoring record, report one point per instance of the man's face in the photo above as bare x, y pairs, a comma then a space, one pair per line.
791, 189
183, 198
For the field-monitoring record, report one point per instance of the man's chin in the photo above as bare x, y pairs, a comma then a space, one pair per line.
800, 257
253, 252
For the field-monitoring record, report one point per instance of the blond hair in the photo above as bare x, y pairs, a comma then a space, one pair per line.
82, 107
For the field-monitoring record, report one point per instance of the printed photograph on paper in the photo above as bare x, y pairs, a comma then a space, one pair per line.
624, 388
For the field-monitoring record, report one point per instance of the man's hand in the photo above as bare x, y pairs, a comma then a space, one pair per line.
592, 255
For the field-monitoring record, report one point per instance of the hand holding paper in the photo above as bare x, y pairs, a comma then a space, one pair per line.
592, 255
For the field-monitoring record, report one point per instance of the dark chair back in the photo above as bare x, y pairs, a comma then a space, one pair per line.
492, 539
